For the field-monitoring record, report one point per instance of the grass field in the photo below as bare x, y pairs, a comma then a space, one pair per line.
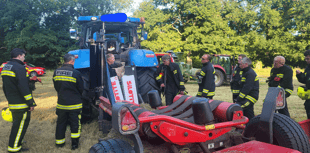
40, 136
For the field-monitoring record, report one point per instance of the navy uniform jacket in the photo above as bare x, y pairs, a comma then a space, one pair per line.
69, 86
207, 86
178, 78
249, 85
16, 86
282, 77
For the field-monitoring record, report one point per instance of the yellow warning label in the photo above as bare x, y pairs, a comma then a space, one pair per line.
210, 127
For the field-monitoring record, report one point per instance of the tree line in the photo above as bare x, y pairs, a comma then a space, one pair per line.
41, 27
259, 29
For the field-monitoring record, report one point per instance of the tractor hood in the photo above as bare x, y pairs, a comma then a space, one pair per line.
81, 58
142, 58
138, 57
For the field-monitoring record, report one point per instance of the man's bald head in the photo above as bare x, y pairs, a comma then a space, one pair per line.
278, 61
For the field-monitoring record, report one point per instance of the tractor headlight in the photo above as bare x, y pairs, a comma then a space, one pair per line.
93, 18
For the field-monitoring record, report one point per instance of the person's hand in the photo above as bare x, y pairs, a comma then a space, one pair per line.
162, 85
31, 109
298, 72
182, 92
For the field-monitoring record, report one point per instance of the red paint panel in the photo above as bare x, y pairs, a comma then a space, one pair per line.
257, 147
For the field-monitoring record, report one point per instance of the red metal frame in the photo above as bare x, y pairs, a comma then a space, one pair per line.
306, 126
177, 131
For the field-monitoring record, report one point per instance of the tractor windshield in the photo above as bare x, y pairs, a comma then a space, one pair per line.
123, 33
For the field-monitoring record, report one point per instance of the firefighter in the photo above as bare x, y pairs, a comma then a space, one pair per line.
112, 64
206, 78
281, 76
169, 77
249, 88
16, 90
305, 79
69, 86
235, 84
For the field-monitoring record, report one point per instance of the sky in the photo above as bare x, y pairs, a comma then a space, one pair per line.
135, 5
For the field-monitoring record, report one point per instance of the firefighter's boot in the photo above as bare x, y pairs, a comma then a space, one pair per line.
75, 143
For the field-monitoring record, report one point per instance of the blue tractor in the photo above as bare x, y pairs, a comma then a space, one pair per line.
121, 36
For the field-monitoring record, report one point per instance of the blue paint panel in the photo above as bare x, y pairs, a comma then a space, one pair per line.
117, 17
131, 19
87, 18
83, 58
140, 59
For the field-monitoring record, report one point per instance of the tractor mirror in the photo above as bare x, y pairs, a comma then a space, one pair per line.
124, 120
280, 101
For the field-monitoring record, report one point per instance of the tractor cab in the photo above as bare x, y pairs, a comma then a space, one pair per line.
223, 65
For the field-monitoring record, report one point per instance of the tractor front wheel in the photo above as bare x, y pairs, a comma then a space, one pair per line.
219, 78
286, 132
112, 146
146, 82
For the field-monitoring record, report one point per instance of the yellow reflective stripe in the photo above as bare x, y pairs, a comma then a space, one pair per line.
65, 78
27, 75
175, 71
21, 126
69, 107
8, 73
202, 73
235, 91
280, 75
28, 97
289, 91
182, 83
60, 141
199, 93
18, 106
256, 79
243, 79
15, 149
240, 72
77, 135
245, 105
241, 95
205, 91
253, 100
214, 71
211, 94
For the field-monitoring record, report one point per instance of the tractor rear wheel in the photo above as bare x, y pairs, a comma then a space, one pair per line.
146, 81
219, 78
112, 146
286, 132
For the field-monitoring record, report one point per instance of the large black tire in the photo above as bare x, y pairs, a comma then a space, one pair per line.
286, 132
219, 78
88, 112
146, 81
112, 146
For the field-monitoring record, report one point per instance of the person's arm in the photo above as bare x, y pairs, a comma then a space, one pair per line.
287, 82
182, 88
159, 75
301, 77
23, 87
56, 86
